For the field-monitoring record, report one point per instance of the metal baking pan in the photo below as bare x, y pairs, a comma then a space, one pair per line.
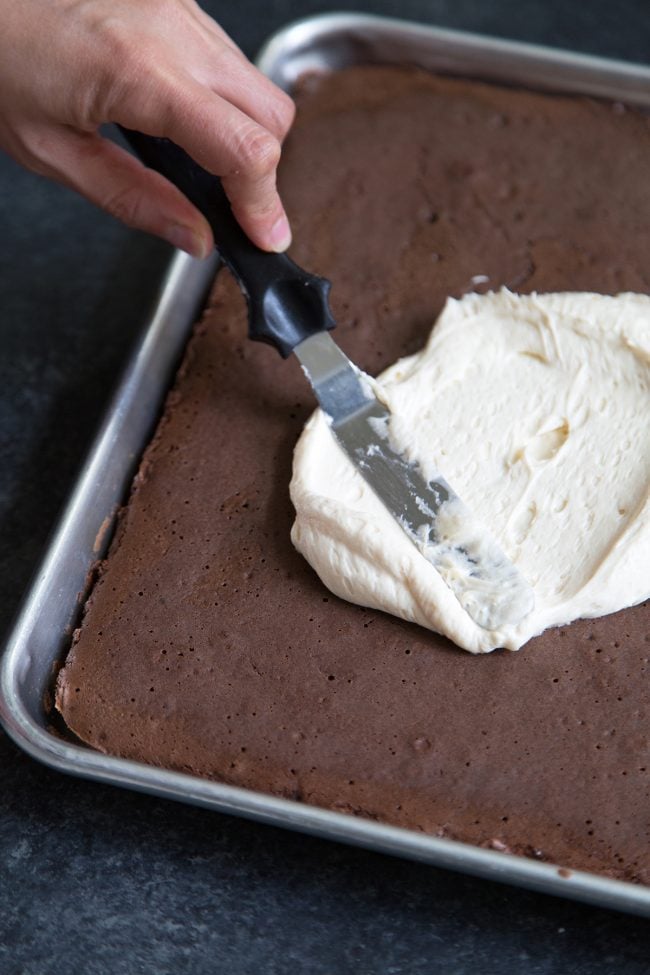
43, 629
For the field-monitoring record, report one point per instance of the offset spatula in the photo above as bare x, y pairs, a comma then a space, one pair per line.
289, 309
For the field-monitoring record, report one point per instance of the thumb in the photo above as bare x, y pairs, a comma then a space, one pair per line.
117, 182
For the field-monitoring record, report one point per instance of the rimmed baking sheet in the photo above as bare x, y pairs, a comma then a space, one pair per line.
43, 629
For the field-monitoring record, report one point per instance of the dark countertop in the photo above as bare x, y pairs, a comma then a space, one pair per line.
94, 879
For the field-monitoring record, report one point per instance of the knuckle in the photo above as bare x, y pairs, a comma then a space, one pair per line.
279, 112
124, 204
285, 112
114, 36
258, 152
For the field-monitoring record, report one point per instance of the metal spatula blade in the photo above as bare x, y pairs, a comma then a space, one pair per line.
288, 308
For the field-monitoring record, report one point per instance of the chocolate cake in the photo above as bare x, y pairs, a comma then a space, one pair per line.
209, 646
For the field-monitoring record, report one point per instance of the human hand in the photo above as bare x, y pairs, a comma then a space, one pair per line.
163, 67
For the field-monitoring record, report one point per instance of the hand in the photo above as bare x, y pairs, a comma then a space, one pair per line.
160, 66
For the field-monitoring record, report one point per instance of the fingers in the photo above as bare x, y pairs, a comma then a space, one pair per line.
221, 66
215, 104
246, 157
230, 144
236, 80
111, 178
249, 156
162, 67
228, 116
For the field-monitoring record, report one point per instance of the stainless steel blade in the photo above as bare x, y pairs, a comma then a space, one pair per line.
486, 583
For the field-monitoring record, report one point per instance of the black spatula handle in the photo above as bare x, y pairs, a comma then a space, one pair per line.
285, 304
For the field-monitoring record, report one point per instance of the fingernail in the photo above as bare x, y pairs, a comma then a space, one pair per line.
280, 236
187, 240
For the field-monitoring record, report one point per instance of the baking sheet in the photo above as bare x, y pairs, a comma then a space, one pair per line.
43, 629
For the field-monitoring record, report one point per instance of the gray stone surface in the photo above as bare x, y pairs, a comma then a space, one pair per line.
96, 880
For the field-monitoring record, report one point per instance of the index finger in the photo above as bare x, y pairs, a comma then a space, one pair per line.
230, 144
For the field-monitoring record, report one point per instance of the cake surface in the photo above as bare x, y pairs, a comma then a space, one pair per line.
208, 644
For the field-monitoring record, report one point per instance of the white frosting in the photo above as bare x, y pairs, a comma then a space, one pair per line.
537, 411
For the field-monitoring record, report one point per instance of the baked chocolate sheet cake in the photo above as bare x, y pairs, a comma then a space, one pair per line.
208, 645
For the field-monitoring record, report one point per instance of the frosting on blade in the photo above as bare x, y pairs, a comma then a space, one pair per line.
536, 409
